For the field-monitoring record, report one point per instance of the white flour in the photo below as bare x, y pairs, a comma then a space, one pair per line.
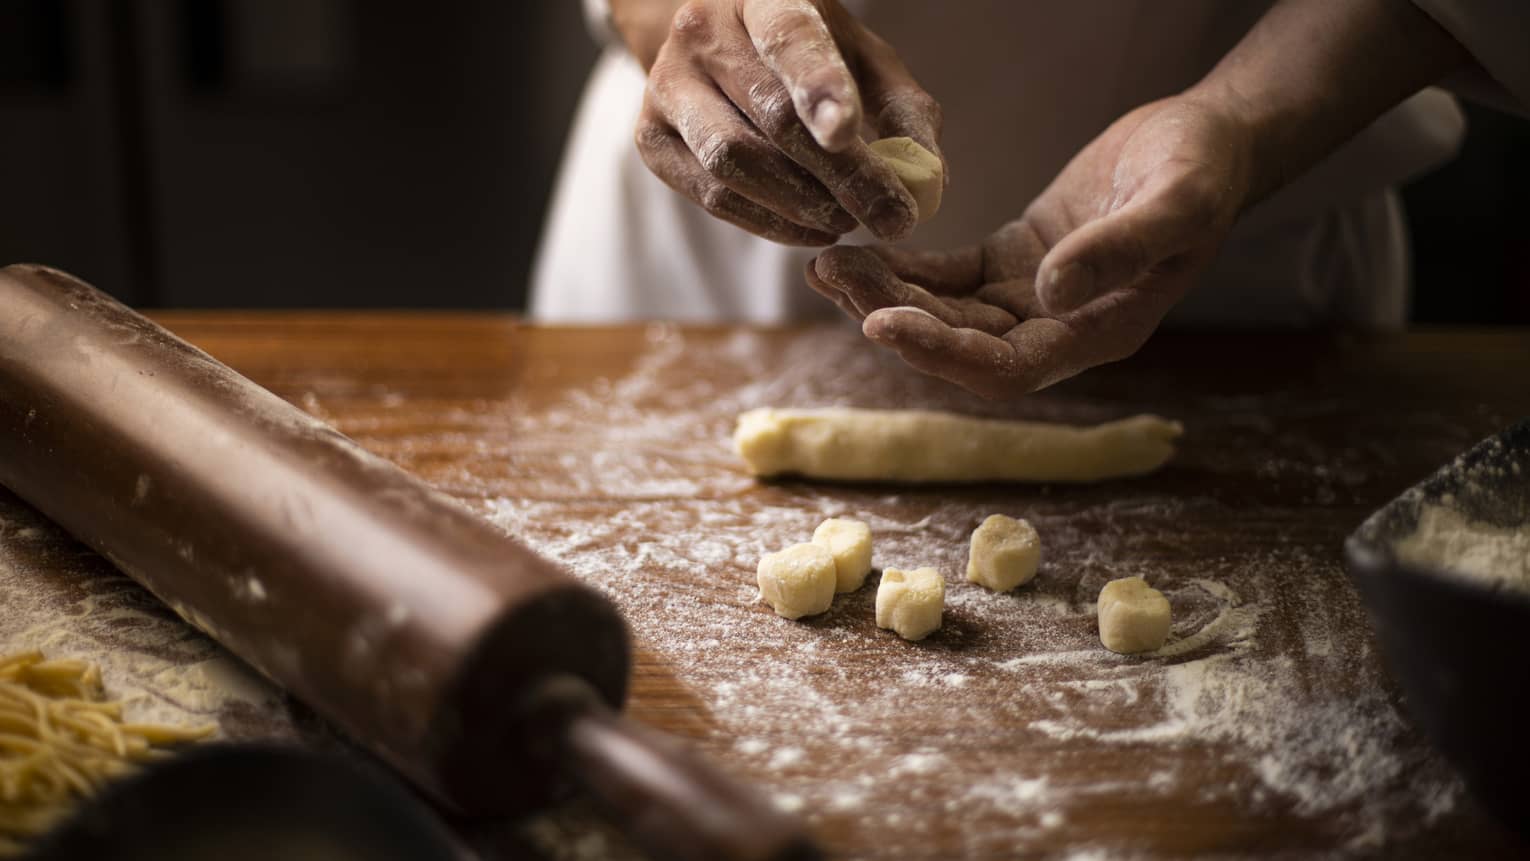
1008, 731
1449, 541
76, 606
1266, 699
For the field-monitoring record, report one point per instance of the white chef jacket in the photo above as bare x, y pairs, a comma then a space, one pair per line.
1024, 86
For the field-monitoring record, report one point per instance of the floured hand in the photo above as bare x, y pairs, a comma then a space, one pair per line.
754, 110
1082, 278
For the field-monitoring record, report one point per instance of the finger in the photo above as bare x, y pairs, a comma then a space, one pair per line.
829, 292
670, 160
1122, 247
870, 285
862, 183
897, 105
736, 154
1033, 355
795, 43
947, 273
977, 361
1017, 296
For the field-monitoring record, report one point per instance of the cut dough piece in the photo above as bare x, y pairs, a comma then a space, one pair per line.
797, 581
917, 168
1134, 617
1004, 554
918, 445
910, 602
849, 542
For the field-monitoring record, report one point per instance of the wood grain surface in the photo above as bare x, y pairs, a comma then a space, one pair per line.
1268, 726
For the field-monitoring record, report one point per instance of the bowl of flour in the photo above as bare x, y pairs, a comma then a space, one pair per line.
1444, 571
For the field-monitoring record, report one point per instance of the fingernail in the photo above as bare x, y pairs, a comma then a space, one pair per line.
1067, 289
827, 115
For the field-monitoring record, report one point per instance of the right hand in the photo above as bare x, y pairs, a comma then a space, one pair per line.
754, 111
1082, 277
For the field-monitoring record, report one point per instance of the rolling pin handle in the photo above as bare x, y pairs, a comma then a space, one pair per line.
673, 804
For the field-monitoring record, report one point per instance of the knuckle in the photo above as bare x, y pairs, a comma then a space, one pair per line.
714, 198
1198, 199
774, 113
779, 122
719, 153
650, 136
691, 24
657, 89
788, 28
925, 105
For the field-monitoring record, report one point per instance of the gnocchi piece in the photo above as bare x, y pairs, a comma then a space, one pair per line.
798, 581
849, 542
1004, 554
910, 602
917, 168
1134, 617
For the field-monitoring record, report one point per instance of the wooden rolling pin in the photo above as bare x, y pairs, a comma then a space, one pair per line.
454, 652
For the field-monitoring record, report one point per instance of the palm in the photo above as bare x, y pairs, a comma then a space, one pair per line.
1117, 239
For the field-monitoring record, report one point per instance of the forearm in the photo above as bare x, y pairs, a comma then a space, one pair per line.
1312, 73
643, 25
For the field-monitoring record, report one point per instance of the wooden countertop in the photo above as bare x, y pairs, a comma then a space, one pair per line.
1269, 728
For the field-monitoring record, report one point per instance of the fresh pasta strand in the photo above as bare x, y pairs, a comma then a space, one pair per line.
61, 740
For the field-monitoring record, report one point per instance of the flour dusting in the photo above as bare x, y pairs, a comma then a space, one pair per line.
1008, 731
68, 603
1266, 697
1448, 541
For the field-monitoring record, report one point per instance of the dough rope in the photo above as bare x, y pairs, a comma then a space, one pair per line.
61, 740
845, 444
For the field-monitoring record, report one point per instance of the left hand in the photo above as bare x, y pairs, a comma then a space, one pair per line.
1082, 278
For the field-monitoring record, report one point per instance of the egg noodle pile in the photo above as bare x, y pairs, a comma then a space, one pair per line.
61, 740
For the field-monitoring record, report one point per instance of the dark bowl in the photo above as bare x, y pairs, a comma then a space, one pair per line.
1457, 647
252, 803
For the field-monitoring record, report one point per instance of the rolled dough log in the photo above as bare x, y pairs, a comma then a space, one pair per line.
846, 444
917, 168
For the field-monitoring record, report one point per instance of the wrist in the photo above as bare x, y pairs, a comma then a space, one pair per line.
643, 26
1257, 133
1312, 73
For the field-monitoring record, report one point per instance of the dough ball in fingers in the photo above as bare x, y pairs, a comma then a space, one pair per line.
918, 169
1134, 617
910, 602
849, 542
1005, 553
798, 581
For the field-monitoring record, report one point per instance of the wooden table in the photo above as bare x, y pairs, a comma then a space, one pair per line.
1270, 727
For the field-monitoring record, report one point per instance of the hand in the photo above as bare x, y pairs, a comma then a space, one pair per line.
754, 111
1082, 278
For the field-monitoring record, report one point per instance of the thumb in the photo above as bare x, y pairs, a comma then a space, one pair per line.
1118, 250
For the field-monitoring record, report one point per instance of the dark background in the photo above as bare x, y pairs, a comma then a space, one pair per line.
335, 153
